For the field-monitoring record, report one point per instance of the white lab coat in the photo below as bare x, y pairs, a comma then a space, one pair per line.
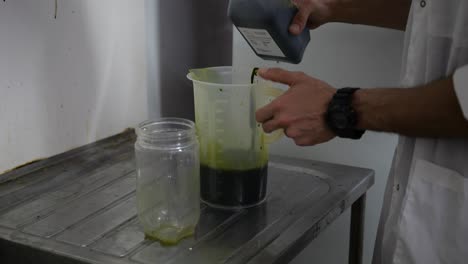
425, 213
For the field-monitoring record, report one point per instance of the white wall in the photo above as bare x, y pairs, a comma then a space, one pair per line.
68, 81
344, 55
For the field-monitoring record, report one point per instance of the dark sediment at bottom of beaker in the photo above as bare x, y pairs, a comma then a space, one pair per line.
233, 188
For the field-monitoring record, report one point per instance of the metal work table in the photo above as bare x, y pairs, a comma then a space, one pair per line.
79, 207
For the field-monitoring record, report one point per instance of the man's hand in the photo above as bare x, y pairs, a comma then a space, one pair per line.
311, 14
301, 110
382, 13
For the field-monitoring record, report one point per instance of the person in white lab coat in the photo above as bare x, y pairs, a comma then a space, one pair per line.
425, 213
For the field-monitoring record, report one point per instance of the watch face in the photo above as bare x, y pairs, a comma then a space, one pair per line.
341, 117
340, 120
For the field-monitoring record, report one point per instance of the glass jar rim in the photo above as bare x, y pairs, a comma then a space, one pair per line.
158, 129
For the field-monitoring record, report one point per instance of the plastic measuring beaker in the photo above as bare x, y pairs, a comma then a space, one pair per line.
233, 146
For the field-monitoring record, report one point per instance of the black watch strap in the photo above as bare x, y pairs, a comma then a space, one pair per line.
344, 95
340, 107
351, 133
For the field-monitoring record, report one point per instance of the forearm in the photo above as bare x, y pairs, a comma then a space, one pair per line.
382, 13
428, 111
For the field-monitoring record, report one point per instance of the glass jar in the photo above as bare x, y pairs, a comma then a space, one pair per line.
168, 185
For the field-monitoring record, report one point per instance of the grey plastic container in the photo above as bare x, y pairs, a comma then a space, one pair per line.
264, 24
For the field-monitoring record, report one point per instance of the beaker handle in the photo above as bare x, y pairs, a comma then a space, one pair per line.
269, 93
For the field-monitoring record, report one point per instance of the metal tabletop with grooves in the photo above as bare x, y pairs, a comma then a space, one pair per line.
79, 207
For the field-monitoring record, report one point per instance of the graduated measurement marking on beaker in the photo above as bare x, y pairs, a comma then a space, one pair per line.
220, 141
221, 101
220, 104
220, 120
220, 144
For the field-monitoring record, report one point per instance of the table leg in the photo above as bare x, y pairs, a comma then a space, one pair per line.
357, 230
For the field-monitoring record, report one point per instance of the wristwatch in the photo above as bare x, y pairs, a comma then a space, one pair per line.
341, 117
